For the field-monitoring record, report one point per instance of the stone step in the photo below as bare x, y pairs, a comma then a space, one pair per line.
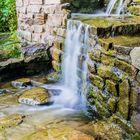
113, 26
122, 44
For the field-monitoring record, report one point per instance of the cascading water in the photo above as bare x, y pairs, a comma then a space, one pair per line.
111, 7
74, 67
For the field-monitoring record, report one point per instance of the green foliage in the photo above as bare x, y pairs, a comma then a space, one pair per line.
9, 46
8, 18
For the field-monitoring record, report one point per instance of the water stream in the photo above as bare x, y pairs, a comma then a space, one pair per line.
115, 6
74, 67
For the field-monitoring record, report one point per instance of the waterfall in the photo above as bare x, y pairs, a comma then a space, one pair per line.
74, 66
111, 7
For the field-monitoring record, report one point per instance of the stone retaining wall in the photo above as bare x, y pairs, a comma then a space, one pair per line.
115, 84
43, 21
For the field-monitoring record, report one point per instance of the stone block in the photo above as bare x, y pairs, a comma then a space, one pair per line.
23, 9
107, 60
111, 87
40, 19
126, 67
26, 2
38, 28
110, 72
36, 2
19, 3
52, 2
36, 37
97, 81
55, 20
95, 55
123, 104
59, 31
34, 9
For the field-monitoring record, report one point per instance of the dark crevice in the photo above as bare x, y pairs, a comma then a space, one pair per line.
130, 105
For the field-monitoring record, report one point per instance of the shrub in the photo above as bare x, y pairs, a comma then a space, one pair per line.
9, 46
8, 18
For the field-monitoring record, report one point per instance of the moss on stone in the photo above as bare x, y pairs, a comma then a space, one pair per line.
129, 41
123, 104
97, 81
111, 87
107, 60
95, 55
109, 72
134, 10
112, 104
126, 67
10, 121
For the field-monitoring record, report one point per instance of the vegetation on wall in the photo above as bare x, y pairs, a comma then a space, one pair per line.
9, 46
8, 18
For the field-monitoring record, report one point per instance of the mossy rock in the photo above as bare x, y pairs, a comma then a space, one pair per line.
11, 121
135, 10
97, 81
107, 131
128, 41
59, 134
35, 96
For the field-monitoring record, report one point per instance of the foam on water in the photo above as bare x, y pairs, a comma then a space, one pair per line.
74, 83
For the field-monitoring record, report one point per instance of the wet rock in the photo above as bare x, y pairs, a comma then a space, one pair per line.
53, 77
22, 83
35, 96
10, 121
107, 131
77, 135
2, 91
135, 56
67, 133
37, 51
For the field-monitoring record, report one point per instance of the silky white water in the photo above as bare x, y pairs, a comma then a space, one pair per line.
112, 6
74, 67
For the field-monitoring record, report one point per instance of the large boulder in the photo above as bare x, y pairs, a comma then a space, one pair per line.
135, 56
35, 96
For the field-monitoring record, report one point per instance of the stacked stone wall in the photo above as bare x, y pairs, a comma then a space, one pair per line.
114, 81
43, 21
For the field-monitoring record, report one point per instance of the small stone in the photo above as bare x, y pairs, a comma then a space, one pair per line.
35, 96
